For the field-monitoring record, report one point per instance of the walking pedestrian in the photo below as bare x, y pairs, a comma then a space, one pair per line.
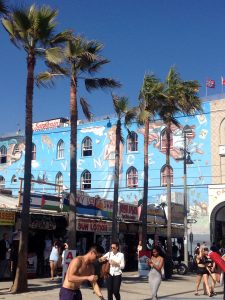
117, 264
156, 262
53, 259
202, 271
80, 269
4, 254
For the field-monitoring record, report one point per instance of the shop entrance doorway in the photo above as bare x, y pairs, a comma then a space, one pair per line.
217, 224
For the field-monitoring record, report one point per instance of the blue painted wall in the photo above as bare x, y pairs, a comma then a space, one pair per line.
46, 166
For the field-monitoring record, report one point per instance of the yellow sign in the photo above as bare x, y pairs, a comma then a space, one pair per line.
7, 218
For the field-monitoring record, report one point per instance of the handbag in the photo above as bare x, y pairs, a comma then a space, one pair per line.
105, 268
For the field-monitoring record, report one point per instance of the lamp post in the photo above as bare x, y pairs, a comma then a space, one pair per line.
187, 161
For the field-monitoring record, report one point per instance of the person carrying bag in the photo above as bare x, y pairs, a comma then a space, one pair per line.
115, 263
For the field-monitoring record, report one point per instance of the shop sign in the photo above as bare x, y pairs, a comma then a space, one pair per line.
162, 231
93, 226
103, 208
7, 218
67, 257
128, 211
42, 222
46, 125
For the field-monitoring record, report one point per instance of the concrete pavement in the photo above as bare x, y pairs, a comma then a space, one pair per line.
133, 288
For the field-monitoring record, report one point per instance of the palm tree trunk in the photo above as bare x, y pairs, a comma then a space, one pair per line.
116, 182
73, 165
168, 188
20, 283
145, 195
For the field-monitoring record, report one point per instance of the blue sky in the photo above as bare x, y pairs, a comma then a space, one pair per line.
138, 37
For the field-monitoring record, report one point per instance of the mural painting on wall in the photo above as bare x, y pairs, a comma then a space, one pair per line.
216, 195
104, 159
15, 150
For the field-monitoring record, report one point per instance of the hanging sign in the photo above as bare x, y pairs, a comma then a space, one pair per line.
67, 257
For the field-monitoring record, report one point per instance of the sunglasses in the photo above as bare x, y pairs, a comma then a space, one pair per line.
113, 248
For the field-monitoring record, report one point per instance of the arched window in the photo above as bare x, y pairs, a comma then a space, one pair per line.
14, 179
59, 181
163, 140
86, 180
87, 147
164, 175
132, 177
132, 142
16, 149
60, 149
2, 182
3, 155
33, 151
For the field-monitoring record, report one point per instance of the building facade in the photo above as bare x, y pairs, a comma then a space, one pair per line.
205, 145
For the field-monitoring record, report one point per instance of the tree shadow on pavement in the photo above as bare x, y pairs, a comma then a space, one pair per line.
35, 287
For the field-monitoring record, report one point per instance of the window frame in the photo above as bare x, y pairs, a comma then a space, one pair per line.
85, 180
14, 179
3, 154
60, 149
163, 140
59, 181
163, 175
34, 151
132, 143
2, 182
87, 148
132, 177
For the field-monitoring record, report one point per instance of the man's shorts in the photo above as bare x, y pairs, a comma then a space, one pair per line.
67, 294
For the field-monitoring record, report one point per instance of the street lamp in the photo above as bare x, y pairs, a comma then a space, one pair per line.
187, 161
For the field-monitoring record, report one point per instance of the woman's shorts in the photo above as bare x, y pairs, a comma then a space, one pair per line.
202, 271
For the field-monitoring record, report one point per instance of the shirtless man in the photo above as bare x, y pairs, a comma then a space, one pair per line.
80, 269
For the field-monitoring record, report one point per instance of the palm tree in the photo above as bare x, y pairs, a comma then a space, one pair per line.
82, 59
149, 105
31, 29
122, 111
179, 97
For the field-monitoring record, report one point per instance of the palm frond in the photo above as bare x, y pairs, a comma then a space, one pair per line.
45, 79
57, 68
120, 104
45, 23
143, 116
62, 37
54, 55
93, 47
96, 66
3, 8
21, 20
103, 83
86, 109
131, 115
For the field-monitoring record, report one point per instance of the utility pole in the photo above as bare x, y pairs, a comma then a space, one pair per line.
187, 160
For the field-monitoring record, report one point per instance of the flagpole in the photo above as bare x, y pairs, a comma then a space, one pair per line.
222, 83
206, 90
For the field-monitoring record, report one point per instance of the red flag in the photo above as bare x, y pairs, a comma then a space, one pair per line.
210, 83
222, 80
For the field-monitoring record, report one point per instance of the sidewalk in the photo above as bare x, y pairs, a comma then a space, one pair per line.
133, 288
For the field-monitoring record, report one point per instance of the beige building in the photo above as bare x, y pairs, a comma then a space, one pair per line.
216, 190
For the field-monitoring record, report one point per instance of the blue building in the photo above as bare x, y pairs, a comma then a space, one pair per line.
96, 153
